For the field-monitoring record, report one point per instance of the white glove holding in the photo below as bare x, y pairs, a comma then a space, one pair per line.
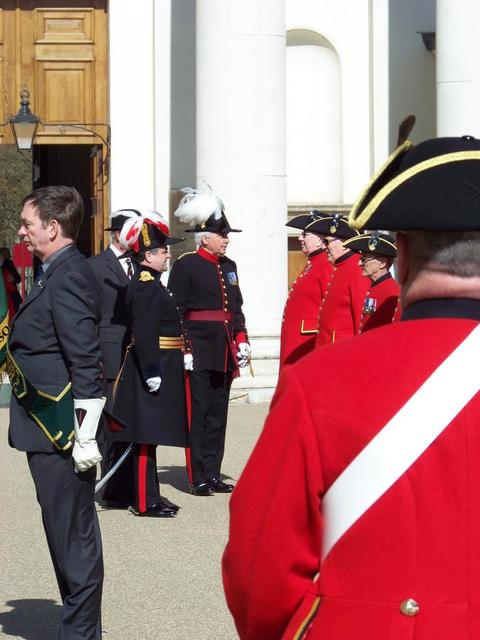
86, 415
153, 384
188, 362
244, 353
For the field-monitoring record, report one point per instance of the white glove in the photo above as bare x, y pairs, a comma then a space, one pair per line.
244, 353
188, 362
153, 384
86, 414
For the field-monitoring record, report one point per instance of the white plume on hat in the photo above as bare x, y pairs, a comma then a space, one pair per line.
197, 206
126, 213
132, 227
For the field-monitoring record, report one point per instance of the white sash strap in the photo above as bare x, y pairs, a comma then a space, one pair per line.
403, 440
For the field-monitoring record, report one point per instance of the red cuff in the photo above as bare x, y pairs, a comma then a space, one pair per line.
241, 337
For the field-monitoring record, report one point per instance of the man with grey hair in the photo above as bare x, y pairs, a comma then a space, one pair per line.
373, 443
206, 290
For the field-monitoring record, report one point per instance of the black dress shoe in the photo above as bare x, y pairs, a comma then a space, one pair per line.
218, 486
201, 489
169, 504
155, 511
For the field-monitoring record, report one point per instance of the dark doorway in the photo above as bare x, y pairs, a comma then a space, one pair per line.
69, 164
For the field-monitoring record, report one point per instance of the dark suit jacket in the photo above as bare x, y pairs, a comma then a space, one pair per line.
113, 283
54, 340
200, 282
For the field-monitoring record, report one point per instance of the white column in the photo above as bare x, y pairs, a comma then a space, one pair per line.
241, 48
458, 71
132, 105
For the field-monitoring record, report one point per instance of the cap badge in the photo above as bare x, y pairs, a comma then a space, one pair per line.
373, 242
146, 276
145, 236
335, 224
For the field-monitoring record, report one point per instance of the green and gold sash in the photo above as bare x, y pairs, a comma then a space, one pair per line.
53, 414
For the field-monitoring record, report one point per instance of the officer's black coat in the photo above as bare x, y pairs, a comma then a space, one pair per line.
160, 417
198, 282
113, 283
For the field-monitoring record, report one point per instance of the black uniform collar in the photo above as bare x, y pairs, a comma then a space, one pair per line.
443, 308
386, 276
345, 257
315, 253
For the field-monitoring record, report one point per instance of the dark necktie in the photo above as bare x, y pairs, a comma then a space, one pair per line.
38, 279
129, 269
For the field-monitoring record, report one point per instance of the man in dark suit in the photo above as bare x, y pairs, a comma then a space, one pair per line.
205, 287
113, 275
54, 368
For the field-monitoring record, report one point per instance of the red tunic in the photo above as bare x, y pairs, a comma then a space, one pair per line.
341, 307
420, 540
300, 316
381, 304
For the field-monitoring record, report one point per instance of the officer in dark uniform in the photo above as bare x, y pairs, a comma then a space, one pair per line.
377, 253
149, 394
113, 274
55, 372
206, 289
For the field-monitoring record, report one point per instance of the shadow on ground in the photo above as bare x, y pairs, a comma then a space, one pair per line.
177, 478
31, 619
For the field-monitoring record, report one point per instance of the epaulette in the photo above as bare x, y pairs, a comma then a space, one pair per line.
187, 253
145, 276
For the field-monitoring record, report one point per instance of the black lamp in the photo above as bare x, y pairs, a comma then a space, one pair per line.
24, 124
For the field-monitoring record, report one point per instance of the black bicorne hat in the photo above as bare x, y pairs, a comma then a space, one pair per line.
304, 219
214, 225
148, 231
434, 185
334, 225
205, 210
372, 242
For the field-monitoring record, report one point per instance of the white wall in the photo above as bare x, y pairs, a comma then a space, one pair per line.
314, 121
346, 24
412, 68
139, 55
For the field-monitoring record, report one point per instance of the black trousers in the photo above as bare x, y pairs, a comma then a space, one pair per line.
209, 397
73, 535
119, 489
136, 481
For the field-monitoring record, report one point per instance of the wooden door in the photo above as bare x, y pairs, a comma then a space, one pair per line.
58, 51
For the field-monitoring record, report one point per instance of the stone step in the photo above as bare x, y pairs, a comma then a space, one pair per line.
265, 367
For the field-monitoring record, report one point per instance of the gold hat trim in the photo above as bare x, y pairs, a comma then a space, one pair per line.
365, 236
446, 158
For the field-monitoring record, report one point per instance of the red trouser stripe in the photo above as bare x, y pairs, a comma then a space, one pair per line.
188, 401
142, 478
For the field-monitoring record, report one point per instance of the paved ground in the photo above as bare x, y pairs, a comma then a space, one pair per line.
162, 577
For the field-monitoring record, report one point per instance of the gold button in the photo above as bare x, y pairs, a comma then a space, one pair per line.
409, 607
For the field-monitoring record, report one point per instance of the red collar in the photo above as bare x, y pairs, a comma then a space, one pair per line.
203, 253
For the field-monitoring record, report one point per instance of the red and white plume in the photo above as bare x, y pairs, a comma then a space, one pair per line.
131, 229
197, 206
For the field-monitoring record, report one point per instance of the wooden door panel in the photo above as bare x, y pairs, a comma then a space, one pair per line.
67, 25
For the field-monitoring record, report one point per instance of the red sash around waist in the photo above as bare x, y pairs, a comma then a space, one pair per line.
209, 314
